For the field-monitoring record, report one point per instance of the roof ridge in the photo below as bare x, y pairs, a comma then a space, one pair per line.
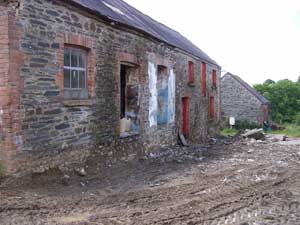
138, 20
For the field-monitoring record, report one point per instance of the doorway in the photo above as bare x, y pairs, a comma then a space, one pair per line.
129, 100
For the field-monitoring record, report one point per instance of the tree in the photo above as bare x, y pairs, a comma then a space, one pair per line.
269, 81
284, 96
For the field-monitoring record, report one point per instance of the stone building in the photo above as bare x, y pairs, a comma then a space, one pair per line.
75, 74
240, 100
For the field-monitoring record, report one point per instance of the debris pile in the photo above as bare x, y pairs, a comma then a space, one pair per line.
257, 134
178, 154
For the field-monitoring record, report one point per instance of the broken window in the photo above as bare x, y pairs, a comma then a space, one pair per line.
129, 101
191, 72
163, 94
203, 78
75, 71
214, 79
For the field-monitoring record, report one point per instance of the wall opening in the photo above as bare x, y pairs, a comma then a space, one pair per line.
203, 78
163, 94
129, 101
185, 116
214, 79
211, 108
191, 73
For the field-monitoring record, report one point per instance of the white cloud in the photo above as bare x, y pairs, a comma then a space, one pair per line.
256, 39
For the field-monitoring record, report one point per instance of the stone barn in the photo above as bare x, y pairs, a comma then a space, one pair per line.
97, 74
240, 100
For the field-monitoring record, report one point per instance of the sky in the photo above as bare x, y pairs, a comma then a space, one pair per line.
254, 39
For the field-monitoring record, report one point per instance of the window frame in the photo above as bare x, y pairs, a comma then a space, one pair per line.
84, 53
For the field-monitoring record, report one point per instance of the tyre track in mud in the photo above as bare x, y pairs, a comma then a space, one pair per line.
261, 187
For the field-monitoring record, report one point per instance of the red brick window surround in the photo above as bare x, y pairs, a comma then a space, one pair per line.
191, 73
77, 60
203, 78
214, 78
75, 71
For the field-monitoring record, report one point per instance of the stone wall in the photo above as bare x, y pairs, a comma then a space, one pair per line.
238, 102
50, 123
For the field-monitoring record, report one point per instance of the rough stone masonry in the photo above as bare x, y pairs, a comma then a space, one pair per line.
241, 101
72, 79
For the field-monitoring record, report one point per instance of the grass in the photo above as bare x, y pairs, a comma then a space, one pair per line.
226, 132
291, 130
2, 171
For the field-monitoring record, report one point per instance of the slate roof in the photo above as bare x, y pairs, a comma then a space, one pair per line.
120, 12
261, 98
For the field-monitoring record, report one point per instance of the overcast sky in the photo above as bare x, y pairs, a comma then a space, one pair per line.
255, 39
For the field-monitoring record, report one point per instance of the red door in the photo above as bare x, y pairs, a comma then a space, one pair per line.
185, 116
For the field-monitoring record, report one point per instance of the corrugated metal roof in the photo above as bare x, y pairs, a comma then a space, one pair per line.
260, 97
121, 12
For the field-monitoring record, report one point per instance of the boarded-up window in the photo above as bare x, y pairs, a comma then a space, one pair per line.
191, 72
162, 98
211, 107
214, 78
203, 78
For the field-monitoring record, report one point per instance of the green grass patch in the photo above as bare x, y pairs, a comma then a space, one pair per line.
291, 130
226, 132
2, 170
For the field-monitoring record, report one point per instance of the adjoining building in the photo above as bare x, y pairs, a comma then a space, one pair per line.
77, 74
241, 101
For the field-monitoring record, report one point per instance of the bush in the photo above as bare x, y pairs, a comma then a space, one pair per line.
291, 130
297, 119
243, 125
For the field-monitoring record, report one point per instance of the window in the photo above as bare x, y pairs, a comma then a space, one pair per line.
191, 72
211, 107
75, 73
203, 78
214, 78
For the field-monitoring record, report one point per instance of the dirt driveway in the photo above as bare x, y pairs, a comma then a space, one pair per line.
238, 183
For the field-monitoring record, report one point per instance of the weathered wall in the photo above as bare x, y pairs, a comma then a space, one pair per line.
51, 124
10, 85
238, 102
4, 67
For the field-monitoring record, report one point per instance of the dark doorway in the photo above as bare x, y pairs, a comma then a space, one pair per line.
129, 100
123, 92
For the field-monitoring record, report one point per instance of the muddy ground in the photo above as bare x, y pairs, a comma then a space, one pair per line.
244, 182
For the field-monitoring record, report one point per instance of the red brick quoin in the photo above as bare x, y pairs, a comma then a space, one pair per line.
11, 86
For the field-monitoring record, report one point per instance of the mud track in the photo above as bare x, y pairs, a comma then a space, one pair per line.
240, 183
